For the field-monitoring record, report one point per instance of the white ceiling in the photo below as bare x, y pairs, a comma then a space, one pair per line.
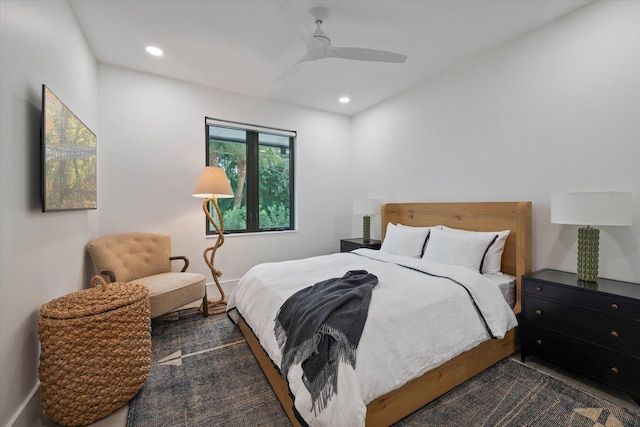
246, 46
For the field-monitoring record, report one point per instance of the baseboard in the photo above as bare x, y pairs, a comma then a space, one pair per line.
227, 287
30, 411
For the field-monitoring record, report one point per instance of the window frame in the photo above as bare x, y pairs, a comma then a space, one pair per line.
252, 177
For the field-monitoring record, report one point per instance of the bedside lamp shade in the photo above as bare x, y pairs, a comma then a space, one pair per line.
601, 208
367, 208
596, 208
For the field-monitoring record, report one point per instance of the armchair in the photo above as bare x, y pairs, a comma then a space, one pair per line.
145, 258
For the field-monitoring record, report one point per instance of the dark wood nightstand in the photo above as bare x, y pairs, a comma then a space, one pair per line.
590, 327
347, 245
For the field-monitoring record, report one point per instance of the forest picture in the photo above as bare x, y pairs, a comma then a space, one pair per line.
69, 158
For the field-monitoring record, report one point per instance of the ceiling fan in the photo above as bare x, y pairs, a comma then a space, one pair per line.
319, 45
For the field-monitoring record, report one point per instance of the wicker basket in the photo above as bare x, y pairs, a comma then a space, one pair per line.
95, 352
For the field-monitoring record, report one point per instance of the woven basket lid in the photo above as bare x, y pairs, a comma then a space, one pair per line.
100, 298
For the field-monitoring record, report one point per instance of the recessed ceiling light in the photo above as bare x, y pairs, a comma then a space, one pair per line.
344, 100
155, 51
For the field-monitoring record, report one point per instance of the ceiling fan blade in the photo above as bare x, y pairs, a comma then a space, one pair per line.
294, 20
294, 67
362, 54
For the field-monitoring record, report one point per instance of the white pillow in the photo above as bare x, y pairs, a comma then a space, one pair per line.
417, 228
493, 259
426, 229
407, 241
466, 250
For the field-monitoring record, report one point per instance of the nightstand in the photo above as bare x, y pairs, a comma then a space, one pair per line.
347, 245
590, 327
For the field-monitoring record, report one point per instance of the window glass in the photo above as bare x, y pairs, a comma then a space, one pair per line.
259, 166
228, 149
275, 190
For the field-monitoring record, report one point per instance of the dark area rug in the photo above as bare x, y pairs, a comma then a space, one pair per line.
203, 374
512, 394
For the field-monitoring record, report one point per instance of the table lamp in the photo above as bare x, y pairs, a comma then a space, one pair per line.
587, 209
367, 208
213, 184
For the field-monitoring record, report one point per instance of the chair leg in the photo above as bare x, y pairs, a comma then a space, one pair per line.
205, 303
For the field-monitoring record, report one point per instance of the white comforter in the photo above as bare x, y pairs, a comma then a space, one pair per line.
416, 322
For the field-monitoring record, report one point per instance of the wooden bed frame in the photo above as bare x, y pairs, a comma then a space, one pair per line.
516, 260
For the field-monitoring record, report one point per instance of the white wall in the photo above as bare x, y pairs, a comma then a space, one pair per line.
557, 110
152, 150
42, 255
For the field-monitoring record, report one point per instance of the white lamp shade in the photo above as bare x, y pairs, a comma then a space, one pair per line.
213, 182
597, 208
366, 206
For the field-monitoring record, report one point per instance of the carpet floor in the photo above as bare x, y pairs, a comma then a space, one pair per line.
204, 374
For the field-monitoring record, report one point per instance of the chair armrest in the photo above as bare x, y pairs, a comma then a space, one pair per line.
182, 257
111, 274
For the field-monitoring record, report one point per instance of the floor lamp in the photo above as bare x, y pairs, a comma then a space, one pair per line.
212, 185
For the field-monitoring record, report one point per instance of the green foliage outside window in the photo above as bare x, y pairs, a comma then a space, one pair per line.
261, 182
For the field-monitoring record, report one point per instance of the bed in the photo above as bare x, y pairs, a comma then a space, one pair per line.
403, 399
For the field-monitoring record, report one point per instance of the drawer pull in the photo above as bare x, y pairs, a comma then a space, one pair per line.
615, 370
538, 342
538, 312
538, 288
614, 306
615, 334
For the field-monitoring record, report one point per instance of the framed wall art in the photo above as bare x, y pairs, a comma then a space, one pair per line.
69, 158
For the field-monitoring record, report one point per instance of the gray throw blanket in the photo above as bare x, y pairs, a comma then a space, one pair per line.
320, 326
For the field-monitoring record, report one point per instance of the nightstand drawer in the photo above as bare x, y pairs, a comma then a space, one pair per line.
613, 367
600, 328
620, 306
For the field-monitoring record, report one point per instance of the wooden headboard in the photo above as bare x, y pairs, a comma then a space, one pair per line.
476, 216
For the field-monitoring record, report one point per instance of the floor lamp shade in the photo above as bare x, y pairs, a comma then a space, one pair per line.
213, 181
603, 208
367, 208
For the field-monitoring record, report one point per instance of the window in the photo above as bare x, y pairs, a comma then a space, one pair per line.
259, 164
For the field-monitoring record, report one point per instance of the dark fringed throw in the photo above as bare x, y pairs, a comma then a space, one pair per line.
320, 326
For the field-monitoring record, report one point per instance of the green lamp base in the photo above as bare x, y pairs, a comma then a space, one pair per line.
366, 228
588, 241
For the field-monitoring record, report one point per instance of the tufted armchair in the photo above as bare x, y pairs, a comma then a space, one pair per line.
145, 258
